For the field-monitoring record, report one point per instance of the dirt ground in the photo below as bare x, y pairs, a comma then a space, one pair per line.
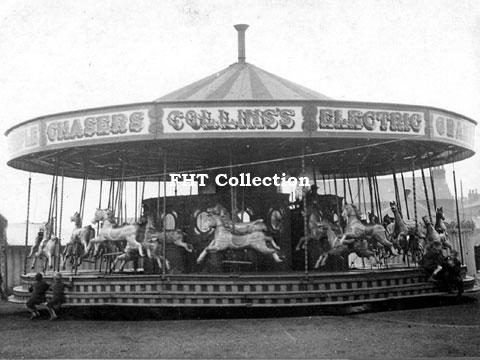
448, 329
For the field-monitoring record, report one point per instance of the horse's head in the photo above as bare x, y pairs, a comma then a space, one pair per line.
47, 226
393, 206
426, 220
75, 217
102, 215
350, 210
439, 213
210, 221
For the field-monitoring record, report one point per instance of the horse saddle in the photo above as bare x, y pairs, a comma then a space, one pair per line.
239, 240
246, 228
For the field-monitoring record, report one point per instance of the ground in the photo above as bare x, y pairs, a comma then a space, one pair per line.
447, 329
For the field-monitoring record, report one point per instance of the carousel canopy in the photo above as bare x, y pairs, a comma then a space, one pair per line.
242, 81
246, 117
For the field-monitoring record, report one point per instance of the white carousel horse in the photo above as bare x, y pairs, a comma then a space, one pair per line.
47, 250
45, 228
80, 237
357, 234
239, 228
440, 226
152, 242
109, 231
223, 239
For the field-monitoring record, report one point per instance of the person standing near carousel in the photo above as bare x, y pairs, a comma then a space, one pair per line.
3, 296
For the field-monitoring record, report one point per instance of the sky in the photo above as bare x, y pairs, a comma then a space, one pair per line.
58, 56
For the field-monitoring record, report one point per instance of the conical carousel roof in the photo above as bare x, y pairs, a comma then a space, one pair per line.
242, 81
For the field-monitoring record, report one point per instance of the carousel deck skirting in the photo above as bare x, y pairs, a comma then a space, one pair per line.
242, 290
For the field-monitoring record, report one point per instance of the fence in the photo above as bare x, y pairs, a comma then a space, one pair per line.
468, 248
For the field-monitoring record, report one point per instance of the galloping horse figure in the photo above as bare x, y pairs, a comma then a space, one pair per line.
44, 246
111, 232
320, 232
132, 254
239, 228
440, 226
223, 238
79, 239
326, 240
404, 233
175, 237
44, 228
47, 250
151, 240
356, 231
432, 235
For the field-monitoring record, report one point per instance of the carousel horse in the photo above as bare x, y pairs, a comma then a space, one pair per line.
320, 232
47, 250
109, 231
151, 240
440, 226
239, 228
44, 228
79, 240
356, 233
325, 239
132, 254
433, 235
223, 238
38, 240
174, 237
404, 234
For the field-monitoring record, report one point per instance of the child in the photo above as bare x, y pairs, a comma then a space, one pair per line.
58, 294
38, 290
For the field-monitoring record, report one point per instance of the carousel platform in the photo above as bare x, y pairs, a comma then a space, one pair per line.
359, 290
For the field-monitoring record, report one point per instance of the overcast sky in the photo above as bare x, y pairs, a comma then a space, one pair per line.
66, 55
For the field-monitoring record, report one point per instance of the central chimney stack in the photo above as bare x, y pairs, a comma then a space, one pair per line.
241, 28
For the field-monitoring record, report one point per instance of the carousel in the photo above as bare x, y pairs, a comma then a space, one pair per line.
254, 231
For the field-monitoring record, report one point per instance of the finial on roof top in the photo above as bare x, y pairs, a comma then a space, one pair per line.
241, 28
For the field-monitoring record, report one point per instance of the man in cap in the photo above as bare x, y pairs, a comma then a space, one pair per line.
37, 296
58, 294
